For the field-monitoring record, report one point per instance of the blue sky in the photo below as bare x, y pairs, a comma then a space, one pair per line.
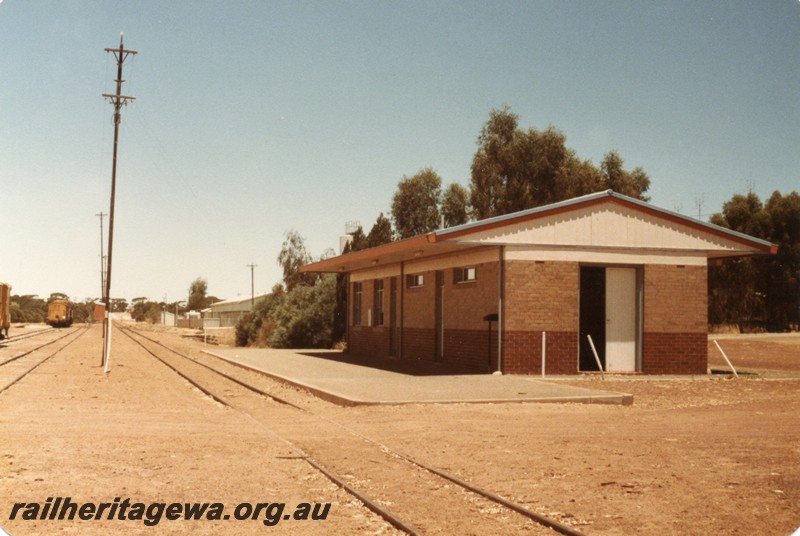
253, 118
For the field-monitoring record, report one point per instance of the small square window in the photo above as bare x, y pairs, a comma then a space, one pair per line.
414, 280
464, 275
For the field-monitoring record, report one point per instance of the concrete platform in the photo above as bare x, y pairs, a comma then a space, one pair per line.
349, 381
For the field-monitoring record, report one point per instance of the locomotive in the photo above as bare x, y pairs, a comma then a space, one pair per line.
60, 313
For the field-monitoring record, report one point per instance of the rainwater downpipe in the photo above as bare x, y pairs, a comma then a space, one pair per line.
346, 308
401, 338
500, 285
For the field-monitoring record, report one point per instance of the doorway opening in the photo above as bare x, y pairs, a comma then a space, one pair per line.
610, 312
592, 317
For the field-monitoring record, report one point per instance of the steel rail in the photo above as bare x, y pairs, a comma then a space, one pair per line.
12, 359
228, 376
520, 509
16, 338
37, 365
178, 372
370, 504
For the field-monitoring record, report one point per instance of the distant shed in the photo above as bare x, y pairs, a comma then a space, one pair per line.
229, 312
98, 312
501, 293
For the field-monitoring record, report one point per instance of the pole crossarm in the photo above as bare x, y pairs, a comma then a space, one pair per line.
122, 51
120, 54
119, 99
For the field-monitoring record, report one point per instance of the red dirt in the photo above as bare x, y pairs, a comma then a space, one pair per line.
709, 456
759, 352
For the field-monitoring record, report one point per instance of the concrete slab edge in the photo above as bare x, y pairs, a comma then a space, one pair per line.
623, 399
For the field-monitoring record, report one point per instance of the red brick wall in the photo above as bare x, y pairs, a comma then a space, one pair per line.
675, 353
419, 343
523, 352
541, 296
675, 320
675, 299
465, 304
418, 319
369, 341
419, 310
471, 348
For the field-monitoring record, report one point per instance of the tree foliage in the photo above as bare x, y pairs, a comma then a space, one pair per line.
292, 257
300, 318
144, 310
358, 241
297, 314
415, 205
515, 169
28, 308
615, 177
455, 205
381, 232
255, 328
759, 292
31, 308
198, 291
118, 305
304, 318
420, 203
198, 297
84, 312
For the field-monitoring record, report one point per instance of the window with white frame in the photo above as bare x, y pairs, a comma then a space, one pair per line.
414, 280
465, 274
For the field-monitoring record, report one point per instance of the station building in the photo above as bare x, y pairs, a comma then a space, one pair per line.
508, 292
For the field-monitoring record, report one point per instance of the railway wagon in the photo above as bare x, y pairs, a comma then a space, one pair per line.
60, 313
5, 309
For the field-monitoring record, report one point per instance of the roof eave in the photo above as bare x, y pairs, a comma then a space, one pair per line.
405, 249
371, 256
761, 246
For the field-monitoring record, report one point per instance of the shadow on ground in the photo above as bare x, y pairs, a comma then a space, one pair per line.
401, 366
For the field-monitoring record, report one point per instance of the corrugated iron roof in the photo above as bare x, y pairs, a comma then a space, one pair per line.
444, 240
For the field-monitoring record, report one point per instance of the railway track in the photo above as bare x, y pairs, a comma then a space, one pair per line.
17, 338
392, 484
13, 369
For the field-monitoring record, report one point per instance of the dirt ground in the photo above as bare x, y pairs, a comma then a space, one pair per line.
705, 456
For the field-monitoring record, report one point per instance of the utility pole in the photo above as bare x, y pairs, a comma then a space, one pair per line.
118, 100
252, 286
698, 201
102, 267
102, 259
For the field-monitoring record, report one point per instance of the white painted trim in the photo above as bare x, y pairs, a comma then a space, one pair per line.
606, 256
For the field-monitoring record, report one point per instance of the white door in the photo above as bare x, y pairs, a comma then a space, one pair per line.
621, 319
